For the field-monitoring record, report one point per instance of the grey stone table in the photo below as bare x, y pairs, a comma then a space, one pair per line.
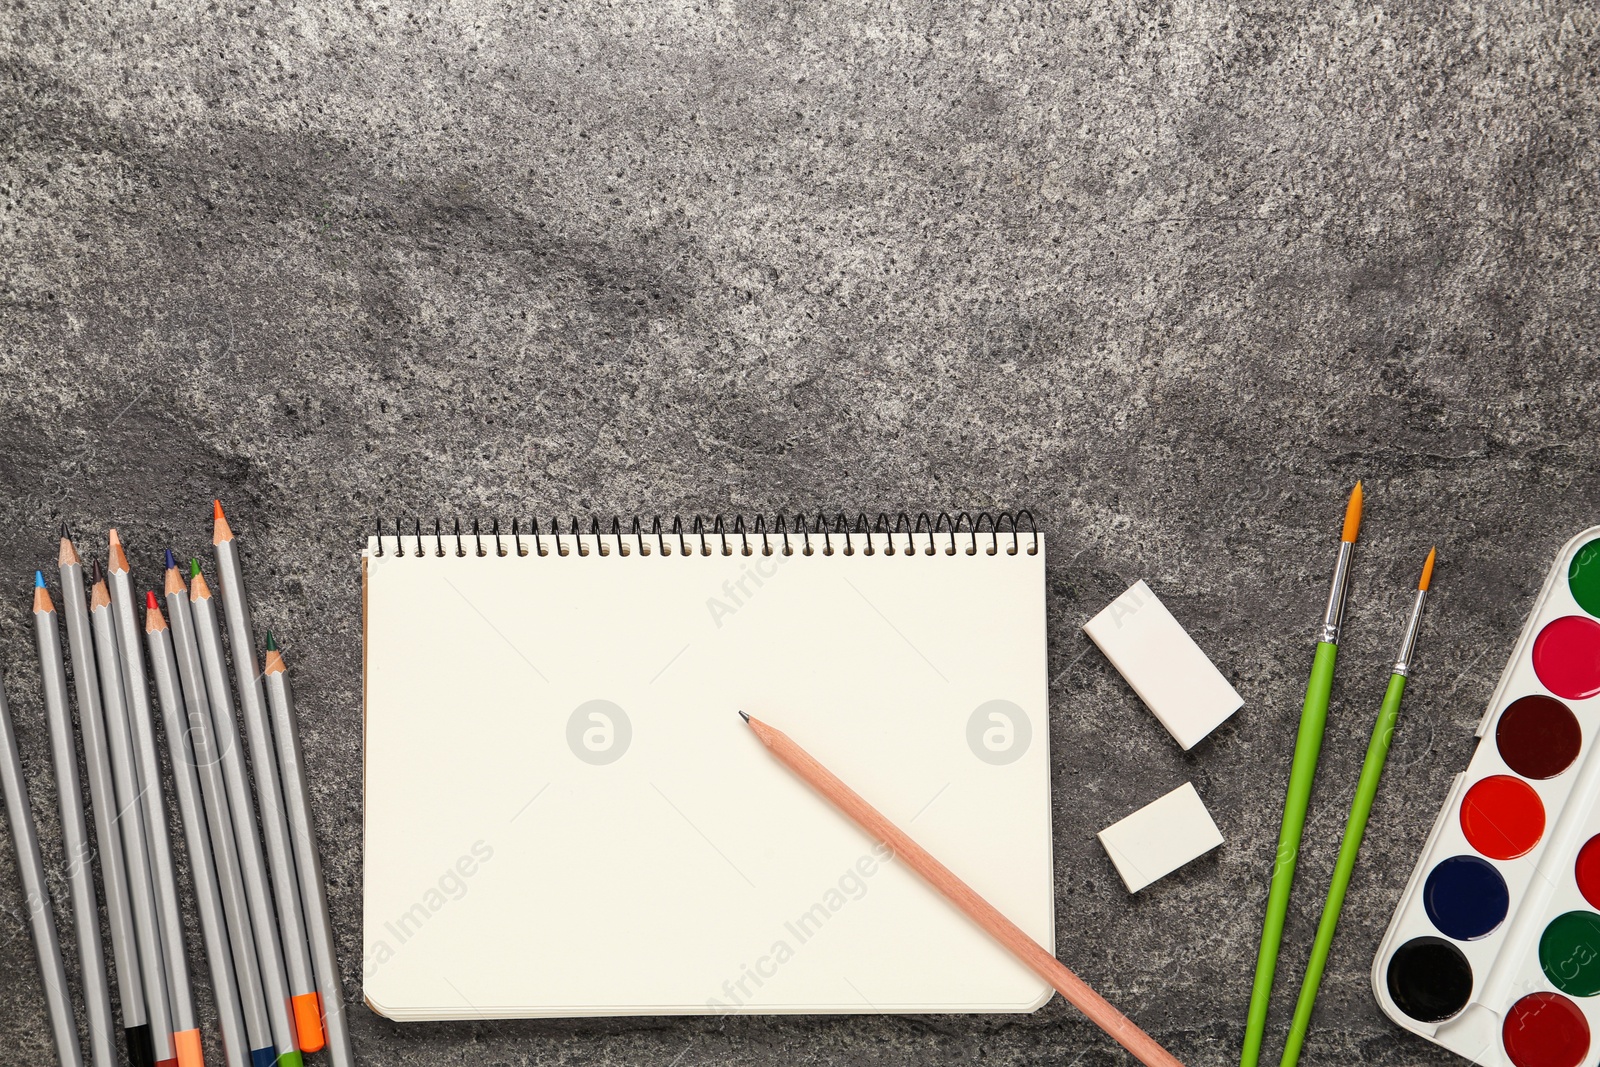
1171, 276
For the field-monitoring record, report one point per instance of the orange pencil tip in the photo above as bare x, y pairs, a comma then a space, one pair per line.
1427, 570
1352, 515
220, 530
113, 538
116, 558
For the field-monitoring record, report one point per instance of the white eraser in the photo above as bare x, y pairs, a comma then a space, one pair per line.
1160, 837
1159, 659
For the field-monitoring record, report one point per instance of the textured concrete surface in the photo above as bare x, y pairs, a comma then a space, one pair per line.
1172, 276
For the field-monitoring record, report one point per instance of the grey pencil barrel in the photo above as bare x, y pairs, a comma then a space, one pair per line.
269, 951
263, 759
163, 872
213, 926
308, 861
41, 919
75, 836
102, 795
141, 890
219, 820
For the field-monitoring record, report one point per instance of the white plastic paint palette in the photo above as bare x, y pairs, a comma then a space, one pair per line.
1494, 951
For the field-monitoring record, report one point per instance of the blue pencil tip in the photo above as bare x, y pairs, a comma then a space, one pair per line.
172, 561
38, 579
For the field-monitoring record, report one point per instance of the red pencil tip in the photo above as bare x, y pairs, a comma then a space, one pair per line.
150, 601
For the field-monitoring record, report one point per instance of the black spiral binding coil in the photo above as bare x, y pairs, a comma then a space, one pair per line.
819, 534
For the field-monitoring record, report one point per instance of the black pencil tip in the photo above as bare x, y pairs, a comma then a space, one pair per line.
744, 716
97, 574
66, 532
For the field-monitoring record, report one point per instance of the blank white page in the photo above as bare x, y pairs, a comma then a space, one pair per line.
565, 815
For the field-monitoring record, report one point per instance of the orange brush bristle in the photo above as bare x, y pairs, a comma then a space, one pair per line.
1427, 571
1352, 515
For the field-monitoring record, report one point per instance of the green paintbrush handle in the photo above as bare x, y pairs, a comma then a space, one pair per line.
1307, 747
1366, 791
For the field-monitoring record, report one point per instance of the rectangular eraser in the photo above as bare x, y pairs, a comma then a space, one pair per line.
1159, 659
1160, 837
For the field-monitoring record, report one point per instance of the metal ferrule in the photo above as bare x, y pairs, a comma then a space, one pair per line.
1408, 647
1333, 618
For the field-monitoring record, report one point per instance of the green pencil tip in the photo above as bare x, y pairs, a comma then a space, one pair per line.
194, 567
272, 646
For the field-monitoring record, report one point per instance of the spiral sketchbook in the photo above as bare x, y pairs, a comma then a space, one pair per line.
566, 817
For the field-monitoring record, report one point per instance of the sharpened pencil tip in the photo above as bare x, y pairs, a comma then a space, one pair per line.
171, 561
112, 537
1352, 515
38, 579
66, 532
150, 601
194, 566
1427, 571
116, 557
745, 716
220, 530
272, 646
97, 573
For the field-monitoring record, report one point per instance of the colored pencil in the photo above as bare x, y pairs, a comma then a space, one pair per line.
36, 895
130, 789
269, 790
263, 918
74, 830
163, 873
1356, 828
219, 820
1037, 959
308, 862
1302, 770
103, 797
185, 783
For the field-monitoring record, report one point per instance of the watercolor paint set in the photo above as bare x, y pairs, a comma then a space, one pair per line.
1494, 950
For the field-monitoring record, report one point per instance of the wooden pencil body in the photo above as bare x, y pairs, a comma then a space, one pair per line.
1030, 952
